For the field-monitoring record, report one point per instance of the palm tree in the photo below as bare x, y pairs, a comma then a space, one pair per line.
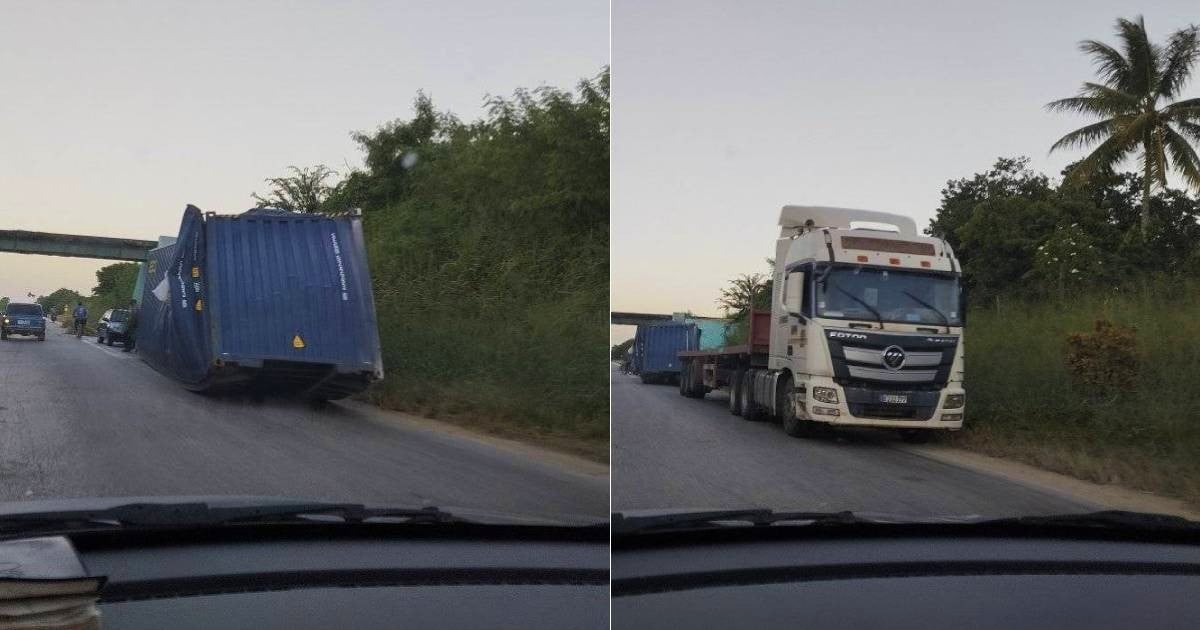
1136, 102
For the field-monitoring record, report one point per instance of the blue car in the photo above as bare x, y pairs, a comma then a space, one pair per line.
24, 319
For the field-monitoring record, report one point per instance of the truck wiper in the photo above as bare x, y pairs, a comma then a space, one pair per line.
945, 320
878, 317
624, 524
1107, 519
204, 515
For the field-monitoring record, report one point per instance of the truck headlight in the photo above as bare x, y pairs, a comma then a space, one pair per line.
954, 401
825, 395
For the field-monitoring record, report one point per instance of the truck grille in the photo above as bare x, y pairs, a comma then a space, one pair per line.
891, 359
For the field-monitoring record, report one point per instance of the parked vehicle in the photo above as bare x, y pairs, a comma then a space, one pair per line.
657, 348
24, 319
113, 327
279, 299
865, 329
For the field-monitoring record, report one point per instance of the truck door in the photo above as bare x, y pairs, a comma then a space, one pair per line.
789, 322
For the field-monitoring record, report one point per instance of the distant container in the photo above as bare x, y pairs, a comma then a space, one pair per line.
657, 348
276, 298
713, 332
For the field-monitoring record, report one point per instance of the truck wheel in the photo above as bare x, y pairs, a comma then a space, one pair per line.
750, 411
792, 425
646, 379
683, 381
108, 338
735, 394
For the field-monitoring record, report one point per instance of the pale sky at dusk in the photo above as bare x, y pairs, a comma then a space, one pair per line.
725, 111
115, 115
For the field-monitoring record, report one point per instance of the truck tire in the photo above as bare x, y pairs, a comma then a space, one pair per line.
750, 411
646, 380
3, 335
735, 393
792, 425
683, 381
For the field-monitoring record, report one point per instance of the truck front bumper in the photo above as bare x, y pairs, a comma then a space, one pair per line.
870, 407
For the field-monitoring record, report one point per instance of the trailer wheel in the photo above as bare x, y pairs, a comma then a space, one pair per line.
683, 381
646, 379
750, 411
735, 393
792, 425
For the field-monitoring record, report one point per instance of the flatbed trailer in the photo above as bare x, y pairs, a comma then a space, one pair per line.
703, 371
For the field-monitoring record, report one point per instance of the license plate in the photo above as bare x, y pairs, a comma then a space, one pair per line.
23, 322
893, 399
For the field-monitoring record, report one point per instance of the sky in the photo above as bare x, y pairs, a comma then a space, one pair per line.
725, 111
116, 115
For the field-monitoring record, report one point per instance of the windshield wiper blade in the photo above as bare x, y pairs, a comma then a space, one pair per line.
1106, 519
633, 524
945, 320
202, 514
878, 317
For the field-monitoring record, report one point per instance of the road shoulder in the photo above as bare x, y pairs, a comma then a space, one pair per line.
1101, 495
556, 459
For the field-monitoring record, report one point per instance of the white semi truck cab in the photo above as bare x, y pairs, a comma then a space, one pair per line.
865, 329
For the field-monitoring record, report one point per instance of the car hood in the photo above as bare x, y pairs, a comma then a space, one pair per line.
486, 517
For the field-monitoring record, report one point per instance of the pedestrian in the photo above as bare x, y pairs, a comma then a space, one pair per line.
131, 326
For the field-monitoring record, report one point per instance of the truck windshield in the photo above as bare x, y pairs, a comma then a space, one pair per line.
870, 293
119, 316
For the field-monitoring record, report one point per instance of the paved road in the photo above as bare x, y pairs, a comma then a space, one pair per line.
78, 419
676, 452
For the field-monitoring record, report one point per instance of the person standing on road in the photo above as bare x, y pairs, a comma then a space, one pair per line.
80, 316
131, 326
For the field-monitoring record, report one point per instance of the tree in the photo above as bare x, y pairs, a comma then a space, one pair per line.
1008, 177
58, 299
114, 283
1136, 104
743, 293
304, 190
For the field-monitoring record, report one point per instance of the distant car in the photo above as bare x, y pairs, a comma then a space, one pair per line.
24, 319
113, 326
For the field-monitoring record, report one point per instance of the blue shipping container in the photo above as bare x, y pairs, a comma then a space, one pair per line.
280, 298
657, 347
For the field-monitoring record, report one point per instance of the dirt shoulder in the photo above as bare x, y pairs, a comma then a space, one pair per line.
1103, 496
577, 456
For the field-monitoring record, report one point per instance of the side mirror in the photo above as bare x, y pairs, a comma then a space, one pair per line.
793, 293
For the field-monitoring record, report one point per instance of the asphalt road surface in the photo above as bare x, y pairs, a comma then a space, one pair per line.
78, 419
676, 452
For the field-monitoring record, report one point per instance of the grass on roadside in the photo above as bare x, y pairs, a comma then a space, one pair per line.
1024, 405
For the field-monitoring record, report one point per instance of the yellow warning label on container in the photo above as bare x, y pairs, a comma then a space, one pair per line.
195, 272
199, 304
297, 342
